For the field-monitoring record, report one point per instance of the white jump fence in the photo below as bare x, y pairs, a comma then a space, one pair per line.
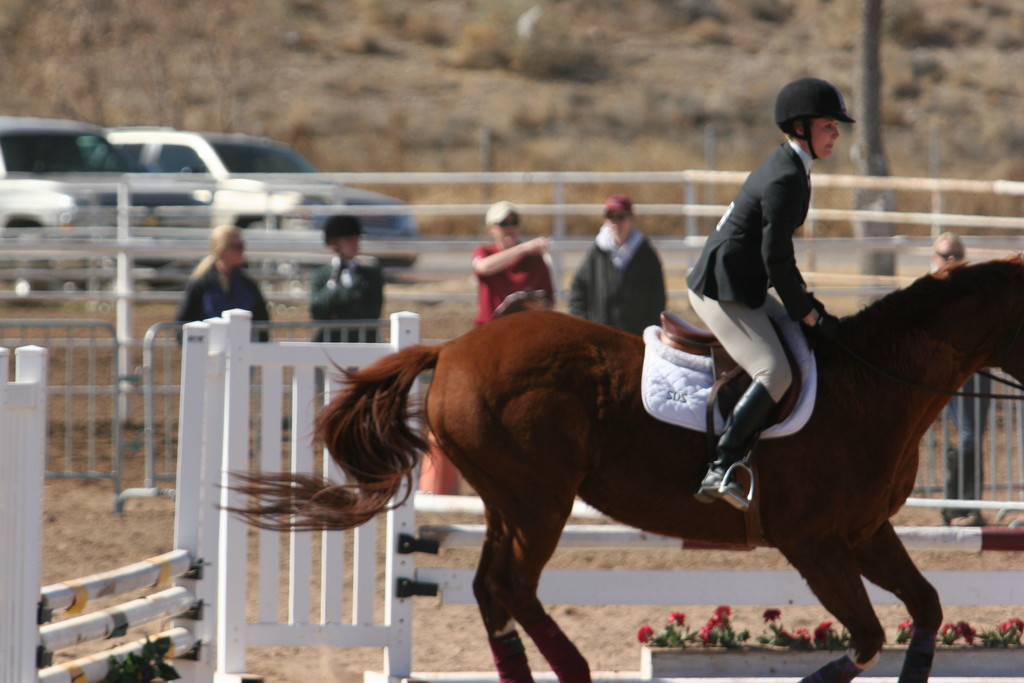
31, 638
263, 588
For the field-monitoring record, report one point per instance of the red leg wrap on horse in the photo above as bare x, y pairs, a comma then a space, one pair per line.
917, 662
566, 661
510, 659
842, 670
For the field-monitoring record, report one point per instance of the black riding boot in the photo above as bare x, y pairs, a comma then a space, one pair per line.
748, 418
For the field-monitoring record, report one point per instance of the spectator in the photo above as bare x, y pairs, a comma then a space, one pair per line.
967, 414
620, 281
220, 282
350, 287
509, 269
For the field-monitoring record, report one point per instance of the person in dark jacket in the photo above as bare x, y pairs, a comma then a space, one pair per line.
620, 281
752, 250
220, 282
350, 287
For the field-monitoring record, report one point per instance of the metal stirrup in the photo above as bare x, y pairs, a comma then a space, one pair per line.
732, 497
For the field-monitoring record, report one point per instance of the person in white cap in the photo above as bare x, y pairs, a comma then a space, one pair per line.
509, 269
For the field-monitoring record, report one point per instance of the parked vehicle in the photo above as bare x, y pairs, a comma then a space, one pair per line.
61, 174
259, 182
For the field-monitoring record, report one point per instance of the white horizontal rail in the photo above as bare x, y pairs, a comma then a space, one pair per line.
95, 667
155, 572
731, 587
115, 620
707, 177
616, 536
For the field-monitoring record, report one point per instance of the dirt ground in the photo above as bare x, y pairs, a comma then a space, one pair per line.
82, 536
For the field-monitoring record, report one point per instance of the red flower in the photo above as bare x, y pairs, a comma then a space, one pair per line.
802, 634
705, 633
645, 633
821, 633
772, 615
906, 624
1016, 623
723, 613
677, 618
965, 630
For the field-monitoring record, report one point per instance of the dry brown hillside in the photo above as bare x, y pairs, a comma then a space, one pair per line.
609, 85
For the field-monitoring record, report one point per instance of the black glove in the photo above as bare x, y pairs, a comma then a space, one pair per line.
827, 326
818, 306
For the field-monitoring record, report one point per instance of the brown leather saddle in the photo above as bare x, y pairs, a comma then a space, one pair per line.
730, 379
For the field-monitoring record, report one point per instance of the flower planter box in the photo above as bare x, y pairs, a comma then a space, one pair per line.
665, 662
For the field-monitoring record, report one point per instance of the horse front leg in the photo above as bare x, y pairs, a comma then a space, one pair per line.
884, 561
831, 572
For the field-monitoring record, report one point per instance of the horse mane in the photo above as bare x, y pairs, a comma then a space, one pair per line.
915, 308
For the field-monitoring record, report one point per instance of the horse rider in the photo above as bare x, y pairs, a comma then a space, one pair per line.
752, 250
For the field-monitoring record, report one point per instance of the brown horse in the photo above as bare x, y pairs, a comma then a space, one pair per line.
541, 407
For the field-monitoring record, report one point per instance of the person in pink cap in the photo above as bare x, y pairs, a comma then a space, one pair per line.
620, 281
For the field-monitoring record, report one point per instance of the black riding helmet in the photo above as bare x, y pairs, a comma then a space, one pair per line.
342, 226
805, 99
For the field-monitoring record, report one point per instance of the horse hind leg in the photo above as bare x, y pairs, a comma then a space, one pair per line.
506, 588
884, 561
506, 646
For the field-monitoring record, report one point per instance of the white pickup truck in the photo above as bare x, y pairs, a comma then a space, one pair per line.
65, 177
259, 182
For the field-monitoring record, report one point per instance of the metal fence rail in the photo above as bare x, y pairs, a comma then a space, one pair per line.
84, 411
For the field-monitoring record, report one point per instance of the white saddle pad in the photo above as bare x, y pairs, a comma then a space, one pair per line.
675, 385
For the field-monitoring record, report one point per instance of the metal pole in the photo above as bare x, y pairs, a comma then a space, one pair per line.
124, 304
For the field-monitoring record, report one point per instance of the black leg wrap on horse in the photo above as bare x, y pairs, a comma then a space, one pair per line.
842, 670
917, 662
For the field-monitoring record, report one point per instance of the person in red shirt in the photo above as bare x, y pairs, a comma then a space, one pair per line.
509, 270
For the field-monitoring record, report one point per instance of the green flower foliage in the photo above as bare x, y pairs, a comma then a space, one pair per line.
148, 665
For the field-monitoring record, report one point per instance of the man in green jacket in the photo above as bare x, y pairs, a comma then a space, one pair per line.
620, 281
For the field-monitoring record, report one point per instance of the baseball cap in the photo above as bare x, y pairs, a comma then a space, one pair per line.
618, 203
499, 211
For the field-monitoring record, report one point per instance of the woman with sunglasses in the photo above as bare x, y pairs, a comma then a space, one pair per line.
752, 250
220, 282
512, 274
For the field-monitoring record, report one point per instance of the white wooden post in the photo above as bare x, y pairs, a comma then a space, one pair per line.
195, 519
232, 587
405, 332
22, 461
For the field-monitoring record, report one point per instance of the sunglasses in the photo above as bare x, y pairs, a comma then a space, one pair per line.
616, 216
510, 222
946, 255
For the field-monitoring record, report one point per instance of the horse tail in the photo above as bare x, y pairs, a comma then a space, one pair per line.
366, 428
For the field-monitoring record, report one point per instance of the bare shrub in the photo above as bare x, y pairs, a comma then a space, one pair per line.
480, 46
425, 25
708, 31
552, 52
771, 11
